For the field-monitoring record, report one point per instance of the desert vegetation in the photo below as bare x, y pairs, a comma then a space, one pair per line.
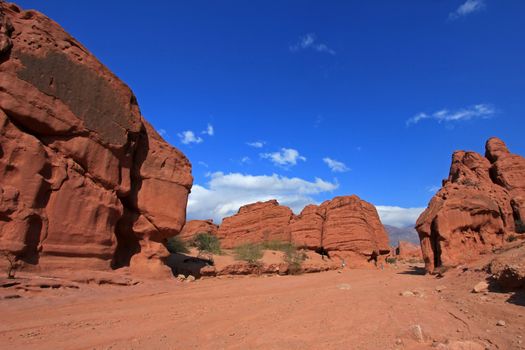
207, 243
12, 263
249, 252
176, 245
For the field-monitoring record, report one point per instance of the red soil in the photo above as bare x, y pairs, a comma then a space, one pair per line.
354, 309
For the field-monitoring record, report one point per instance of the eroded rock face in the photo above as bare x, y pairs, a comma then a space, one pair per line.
477, 207
508, 270
408, 251
341, 225
82, 174
352, 224
194, 227
254, 223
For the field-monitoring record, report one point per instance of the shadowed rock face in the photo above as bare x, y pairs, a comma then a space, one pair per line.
477, 207
341, 225
82, 174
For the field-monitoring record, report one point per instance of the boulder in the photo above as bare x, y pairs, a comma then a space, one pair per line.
84, 179
255, 223
194, 227
351, 224
479, 205
508, 269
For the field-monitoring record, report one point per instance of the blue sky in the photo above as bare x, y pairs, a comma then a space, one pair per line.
345, 97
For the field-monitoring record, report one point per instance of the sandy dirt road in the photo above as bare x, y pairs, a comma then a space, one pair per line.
354, 309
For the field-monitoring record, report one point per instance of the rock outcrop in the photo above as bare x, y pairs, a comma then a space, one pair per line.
408, 251
254, 223
344, 226
479, 204
82, 174
194, 227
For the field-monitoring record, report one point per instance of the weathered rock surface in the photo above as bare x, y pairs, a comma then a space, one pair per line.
508, 269
82, 174
254, 223
194, 227
352, 224
407, 251
477, 207
343, 224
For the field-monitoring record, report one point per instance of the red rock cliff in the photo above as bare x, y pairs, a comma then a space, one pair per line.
477, 207
82, 174
343, 224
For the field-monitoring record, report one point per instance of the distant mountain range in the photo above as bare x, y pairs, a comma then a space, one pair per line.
396, 234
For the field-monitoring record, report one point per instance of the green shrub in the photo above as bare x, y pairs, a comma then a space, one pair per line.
294, 258
511, 238
278, 245
391, 260
249, 252
176, 245
207, 243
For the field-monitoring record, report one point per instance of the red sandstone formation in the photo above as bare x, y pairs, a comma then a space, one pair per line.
343, 225
82, 174
478, 206
194, 227
408, 251
257, 222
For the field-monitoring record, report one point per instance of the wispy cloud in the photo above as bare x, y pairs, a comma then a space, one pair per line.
204, 164
477, 111
162, 132
256, 144
209, 130
286, 157
468, 7
246, 160
433, 189
225, 193
398, 216
309, 42
188, 137
336, 166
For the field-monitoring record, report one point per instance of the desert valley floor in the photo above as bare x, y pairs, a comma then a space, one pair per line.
348, 309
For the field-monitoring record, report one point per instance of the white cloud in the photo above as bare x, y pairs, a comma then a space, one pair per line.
224, 194
188, 137
398, 216
468, 7
477, 111
336, 166
209, 130
201, 163
246, 160
256, 144
285, 158
162, 132
308, 42
433, 189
